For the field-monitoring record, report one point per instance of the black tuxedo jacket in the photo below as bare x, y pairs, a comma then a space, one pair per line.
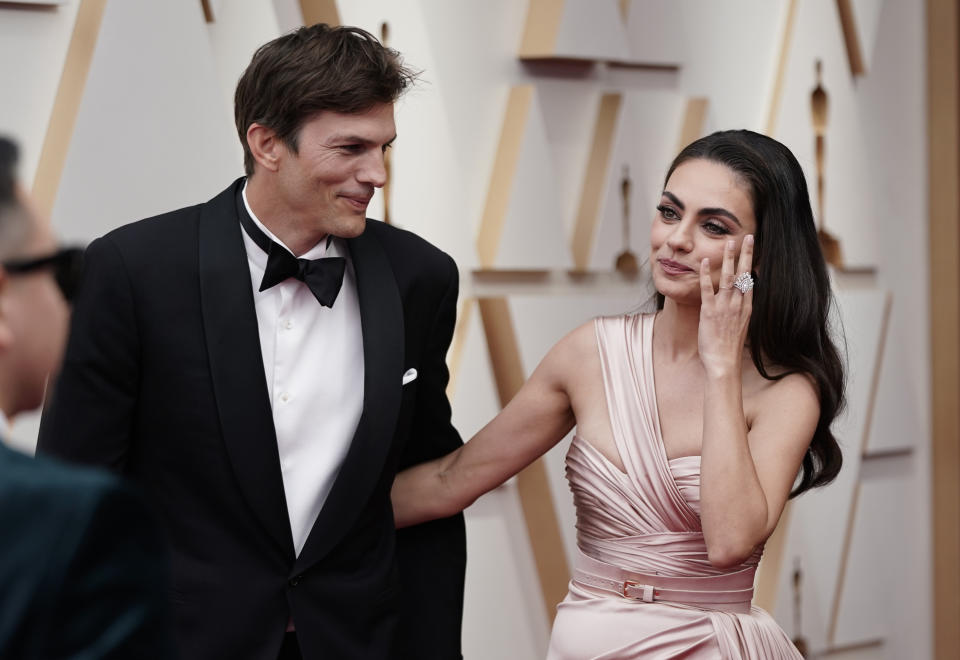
81, 565
163, 379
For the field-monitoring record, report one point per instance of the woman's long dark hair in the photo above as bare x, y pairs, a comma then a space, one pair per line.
789, 327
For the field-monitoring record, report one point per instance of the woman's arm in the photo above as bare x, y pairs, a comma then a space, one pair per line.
746, 476
536, 419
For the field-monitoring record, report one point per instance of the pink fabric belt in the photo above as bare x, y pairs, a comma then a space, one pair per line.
731, 592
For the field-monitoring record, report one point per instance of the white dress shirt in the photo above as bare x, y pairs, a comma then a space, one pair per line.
313, 362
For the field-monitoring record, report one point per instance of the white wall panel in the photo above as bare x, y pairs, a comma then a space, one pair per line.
33, 44
152, 131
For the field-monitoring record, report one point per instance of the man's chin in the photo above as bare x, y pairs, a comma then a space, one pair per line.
351, 228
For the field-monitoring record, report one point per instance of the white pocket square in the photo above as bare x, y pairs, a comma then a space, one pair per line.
410, 376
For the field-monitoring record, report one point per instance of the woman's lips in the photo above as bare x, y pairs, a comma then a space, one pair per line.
671, 267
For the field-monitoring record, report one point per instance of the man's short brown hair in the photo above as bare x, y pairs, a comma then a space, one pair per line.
312, 69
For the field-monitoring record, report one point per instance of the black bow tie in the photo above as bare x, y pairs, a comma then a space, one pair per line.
323, 276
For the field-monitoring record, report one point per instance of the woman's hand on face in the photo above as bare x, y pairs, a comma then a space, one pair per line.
725, 314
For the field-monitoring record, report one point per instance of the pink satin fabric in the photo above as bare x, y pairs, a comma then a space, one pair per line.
646, 520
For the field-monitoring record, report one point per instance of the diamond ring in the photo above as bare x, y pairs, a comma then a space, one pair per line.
743, 282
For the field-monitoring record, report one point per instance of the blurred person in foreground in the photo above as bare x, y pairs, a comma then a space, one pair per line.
265, 362
81, 562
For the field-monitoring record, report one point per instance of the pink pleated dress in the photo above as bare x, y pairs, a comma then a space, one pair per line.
642, 586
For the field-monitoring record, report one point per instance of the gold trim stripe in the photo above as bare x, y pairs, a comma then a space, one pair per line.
851, 37
694, 118
781, 74
541, 28
319, 11
502, 177
66, 105
591, 195
543, 528
943, 172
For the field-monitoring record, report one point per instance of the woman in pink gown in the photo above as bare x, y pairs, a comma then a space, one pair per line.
694, 424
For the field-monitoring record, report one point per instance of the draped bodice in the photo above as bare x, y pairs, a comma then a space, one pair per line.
646, 519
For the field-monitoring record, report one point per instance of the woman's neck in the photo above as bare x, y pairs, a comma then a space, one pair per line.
676, 332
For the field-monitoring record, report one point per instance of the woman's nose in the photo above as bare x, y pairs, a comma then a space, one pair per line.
679, 239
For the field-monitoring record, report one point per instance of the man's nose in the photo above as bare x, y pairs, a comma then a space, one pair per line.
374, 170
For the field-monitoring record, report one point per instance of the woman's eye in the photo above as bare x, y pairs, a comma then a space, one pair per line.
716, 228
668, 212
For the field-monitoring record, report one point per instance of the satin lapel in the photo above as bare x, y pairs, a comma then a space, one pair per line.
236, 365
381, 321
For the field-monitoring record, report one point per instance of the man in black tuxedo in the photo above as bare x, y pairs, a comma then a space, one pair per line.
81, 560
215, 358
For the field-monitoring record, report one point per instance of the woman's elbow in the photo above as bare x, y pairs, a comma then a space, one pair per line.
728, 554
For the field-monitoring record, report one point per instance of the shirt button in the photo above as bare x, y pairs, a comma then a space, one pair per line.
288, 324
285, 397
294, 581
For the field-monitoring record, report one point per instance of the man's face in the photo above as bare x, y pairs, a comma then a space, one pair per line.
36, 317
339, 162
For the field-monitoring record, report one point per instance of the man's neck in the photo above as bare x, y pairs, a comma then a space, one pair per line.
282, 221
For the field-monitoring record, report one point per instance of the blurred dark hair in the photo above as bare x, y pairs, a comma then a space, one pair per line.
312, 69
790, 325
15, 224
8, 165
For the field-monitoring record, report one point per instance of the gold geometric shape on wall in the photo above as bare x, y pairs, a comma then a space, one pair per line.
208, 14
66, 105
942, 34
773, 109
694, 120
595, 176
533, 486
502, 177
541, 27
597, 24
320, 11
851, 39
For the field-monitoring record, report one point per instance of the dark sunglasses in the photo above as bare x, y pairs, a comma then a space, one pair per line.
66, 264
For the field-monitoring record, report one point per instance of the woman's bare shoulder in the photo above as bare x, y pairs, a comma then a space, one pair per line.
791, 398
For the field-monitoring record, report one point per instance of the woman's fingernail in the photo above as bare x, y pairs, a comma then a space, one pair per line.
749, 239
731, 244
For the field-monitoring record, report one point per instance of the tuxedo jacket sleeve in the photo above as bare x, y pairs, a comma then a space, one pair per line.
93, 422
82, 572
432, 556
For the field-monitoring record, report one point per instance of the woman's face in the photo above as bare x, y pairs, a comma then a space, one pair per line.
703, 205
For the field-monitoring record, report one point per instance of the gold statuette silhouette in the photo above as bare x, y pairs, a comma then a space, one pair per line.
818, 106
626, 260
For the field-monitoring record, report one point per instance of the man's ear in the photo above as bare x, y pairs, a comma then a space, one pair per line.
6, 332
265, 146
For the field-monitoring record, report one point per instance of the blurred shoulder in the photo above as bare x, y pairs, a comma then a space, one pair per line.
60, 491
